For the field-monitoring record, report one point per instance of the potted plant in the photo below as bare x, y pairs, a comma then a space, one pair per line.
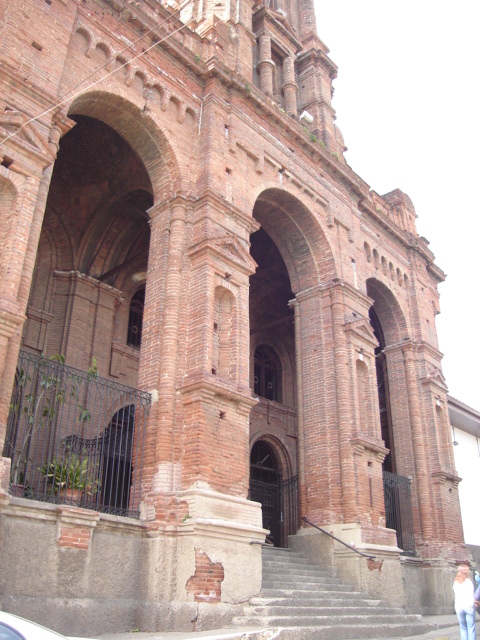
37, 400
69, 477
35, 406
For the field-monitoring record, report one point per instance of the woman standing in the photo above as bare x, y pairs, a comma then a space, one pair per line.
464, 603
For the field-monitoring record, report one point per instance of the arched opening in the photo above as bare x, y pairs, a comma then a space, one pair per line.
389, 326
383, 392
135, 319
267, 374
116, 461
291, 252
264, 488
86, 307
94, 242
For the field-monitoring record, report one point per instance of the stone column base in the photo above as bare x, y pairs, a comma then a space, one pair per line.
380, 575
213, 560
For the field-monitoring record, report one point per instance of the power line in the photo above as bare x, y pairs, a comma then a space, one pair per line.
66, 96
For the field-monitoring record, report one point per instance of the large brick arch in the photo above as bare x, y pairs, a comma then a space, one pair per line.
389, 313
298, 236
142, 133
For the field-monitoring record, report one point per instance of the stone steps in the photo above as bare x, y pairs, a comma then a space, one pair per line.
301, 601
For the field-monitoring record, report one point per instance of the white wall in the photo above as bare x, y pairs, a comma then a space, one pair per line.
467, 462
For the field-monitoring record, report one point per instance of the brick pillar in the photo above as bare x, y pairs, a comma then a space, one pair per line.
266, 64
308, 25
300, 423
17, 272
342, 378
419, 445
290, 88
160, 339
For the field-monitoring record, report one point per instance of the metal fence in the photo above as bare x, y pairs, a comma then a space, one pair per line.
280, 508
398, 510
75, 438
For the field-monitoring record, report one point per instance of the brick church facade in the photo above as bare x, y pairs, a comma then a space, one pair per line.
210, 317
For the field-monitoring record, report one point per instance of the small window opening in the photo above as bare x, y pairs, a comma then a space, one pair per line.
267, 374
135, 319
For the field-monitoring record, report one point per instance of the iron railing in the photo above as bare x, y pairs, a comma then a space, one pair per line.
280, 508
398, 510
330, 535
75, 438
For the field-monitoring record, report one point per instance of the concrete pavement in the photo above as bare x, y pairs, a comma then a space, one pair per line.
444, 628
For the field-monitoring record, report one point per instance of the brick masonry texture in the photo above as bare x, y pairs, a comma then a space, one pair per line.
149, 145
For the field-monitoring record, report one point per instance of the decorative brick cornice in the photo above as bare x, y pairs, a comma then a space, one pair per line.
361, 444
23, 138
362, 330
275, 21
443, 477
226, 248
209, 203
206, 388
10, 320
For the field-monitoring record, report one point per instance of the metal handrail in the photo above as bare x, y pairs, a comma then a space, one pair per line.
337, 539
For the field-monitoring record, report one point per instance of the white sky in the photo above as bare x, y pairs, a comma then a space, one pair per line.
407, 99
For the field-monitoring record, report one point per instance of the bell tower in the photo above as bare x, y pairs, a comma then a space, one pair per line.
291, 66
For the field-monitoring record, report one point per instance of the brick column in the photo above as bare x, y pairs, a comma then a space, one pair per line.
290, 88
266, 64
342, 376
419, 451
17, 272
300, 424
308, 25
160, 338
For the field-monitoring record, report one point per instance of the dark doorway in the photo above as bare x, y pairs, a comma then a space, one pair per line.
117, 461
279, 499
383, 392
264, 481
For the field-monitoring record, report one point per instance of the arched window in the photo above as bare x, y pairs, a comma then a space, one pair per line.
267, 374
263, 463
135, 319
117, 469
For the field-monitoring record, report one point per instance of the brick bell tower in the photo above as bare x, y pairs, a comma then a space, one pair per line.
274, 45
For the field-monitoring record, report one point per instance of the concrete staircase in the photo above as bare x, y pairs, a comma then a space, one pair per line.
300, 601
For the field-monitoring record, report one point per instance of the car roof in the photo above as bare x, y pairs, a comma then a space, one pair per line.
31, 630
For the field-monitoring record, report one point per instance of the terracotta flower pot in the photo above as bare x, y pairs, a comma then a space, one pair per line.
70, 496
17, 490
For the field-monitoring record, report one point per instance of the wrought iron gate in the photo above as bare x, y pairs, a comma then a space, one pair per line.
75, 438
398, 510
280, 508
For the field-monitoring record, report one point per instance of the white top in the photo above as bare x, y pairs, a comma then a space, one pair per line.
464, 596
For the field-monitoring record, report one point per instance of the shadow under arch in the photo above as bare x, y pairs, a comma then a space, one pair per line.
390, 328
298, 236
388, 311
272, 484
140, 132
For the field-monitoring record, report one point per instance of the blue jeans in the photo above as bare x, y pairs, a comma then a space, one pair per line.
466, 620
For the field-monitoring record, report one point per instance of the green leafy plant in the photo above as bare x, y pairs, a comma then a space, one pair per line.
69, 472
34, 409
